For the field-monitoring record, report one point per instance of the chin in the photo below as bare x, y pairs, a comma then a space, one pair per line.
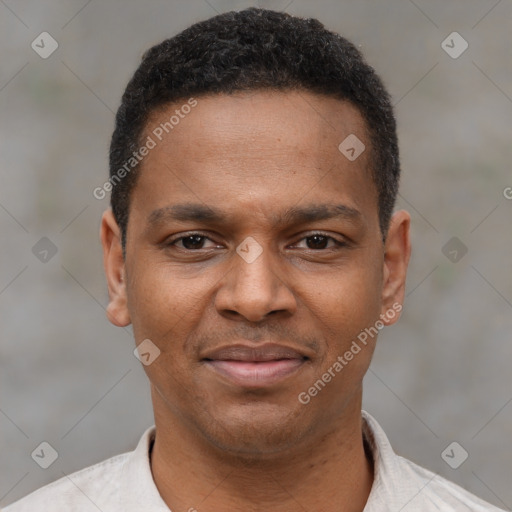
255, 431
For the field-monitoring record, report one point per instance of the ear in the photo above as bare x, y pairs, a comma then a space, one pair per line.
397, 251
113, 262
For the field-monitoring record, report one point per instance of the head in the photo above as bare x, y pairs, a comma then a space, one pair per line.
255, 209
252, 50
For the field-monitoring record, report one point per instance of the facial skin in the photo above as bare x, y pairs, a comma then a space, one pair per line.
222, 445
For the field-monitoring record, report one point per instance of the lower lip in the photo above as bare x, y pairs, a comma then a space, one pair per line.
256, 374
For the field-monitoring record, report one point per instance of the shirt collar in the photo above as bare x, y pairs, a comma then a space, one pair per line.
139, 492
385, 462
396, 486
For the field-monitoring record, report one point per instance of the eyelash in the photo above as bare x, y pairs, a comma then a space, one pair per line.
172, 243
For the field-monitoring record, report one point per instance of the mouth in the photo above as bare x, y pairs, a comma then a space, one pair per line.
255, 367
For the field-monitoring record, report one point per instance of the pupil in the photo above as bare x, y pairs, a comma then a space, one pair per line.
196, 240
319, 241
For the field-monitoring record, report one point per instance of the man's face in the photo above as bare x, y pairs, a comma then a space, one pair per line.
254, 259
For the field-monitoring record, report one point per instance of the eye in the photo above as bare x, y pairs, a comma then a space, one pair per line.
190, 242
319, 241
197, 241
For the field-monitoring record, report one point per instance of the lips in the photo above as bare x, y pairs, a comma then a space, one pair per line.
255, 367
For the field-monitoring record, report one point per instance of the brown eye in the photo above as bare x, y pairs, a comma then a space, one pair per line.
320, 241
317, 241
191, 242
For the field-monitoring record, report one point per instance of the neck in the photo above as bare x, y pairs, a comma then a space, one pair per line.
329, 471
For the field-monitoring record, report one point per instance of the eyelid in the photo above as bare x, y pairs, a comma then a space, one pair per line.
171, 241
339, 242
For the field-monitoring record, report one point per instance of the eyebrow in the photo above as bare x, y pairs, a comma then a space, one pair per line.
190, 212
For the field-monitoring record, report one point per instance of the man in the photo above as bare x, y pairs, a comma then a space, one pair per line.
253, 247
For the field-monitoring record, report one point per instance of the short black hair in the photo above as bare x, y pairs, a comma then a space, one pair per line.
249, 50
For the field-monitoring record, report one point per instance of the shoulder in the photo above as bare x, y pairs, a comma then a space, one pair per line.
123, 482
81, 491
400, 484
440, 492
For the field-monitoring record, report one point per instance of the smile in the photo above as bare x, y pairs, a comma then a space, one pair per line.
255, 367
256, 373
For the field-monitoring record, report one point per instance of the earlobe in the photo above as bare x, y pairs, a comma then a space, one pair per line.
114, 264
397, 251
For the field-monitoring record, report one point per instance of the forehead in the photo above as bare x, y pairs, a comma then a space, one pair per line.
256, 147
299, 117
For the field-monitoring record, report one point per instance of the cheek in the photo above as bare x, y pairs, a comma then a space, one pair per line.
158, 297
348, 313
349, 300
165, 310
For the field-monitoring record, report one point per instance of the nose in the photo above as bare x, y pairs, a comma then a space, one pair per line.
254, 290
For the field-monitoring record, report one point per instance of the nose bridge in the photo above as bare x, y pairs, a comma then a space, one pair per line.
253, 287
255, 264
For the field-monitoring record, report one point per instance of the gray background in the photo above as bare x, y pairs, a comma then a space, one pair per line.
442, 374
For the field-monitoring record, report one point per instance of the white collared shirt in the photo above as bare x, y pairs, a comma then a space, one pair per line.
125, 484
